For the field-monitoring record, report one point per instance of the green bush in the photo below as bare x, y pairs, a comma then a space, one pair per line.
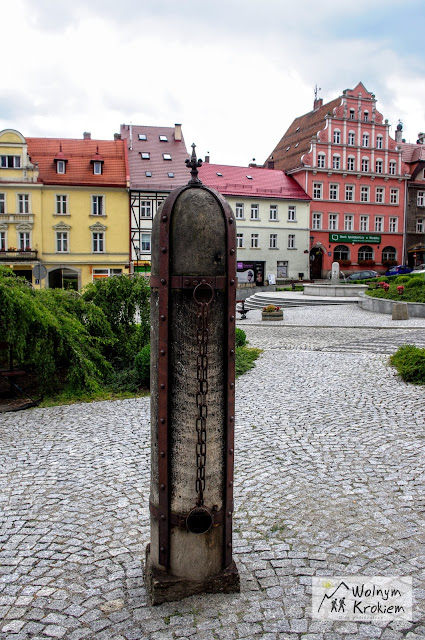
410, 363
240, 338
402, 279
415, 281
245, 359
142, 365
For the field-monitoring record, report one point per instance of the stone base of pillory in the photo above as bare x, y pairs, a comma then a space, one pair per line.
272, 315
164, 587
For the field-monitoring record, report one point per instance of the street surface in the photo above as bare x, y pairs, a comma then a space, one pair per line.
329, 480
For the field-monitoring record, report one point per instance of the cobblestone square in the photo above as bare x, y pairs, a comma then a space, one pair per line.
329, 480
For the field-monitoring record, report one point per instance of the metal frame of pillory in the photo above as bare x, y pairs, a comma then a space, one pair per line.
164, 283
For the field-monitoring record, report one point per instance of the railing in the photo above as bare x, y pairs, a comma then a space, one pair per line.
12, 255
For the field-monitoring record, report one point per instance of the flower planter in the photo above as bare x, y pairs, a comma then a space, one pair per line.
272, 315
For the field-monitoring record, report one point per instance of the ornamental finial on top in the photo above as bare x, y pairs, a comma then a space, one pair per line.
193, 165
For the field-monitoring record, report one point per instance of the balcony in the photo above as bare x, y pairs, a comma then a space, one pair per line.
13, 218
12, 255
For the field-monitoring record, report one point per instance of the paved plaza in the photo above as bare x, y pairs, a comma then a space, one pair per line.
329, 480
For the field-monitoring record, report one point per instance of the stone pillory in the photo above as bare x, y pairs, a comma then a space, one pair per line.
193, 293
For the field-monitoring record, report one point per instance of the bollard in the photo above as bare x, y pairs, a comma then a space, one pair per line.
193, 294
400, 311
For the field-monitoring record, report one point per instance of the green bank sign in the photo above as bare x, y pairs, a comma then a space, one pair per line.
354, 237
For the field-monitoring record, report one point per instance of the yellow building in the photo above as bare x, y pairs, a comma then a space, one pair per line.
66, 208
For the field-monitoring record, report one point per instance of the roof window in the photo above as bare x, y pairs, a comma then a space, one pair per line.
287, 148
143, 136
297, 144
170, 174
249, 177
297, 129
166, 156
219, 174
145, 155
148, 174
163, 138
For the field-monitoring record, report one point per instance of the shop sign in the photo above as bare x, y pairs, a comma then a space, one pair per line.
354, 237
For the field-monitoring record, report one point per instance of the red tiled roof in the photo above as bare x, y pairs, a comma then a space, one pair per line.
156, 164
79, 168
265, 183
298, 137
411, 152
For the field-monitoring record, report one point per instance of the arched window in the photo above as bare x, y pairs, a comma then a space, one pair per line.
341, 252
389, 254
366, 116
365, 253
337, 136
352, 114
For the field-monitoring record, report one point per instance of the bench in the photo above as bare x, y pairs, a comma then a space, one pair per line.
242, 310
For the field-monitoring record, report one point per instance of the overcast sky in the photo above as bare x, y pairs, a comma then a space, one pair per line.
234, 73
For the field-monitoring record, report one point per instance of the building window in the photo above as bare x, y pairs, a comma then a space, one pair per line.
389, 253
366, 116
348, 222
352, 114
145, 209
60, 166
142, 136
365, 140
336, 162
394, 196
349, 192
393, 225
350, 163
2, 203
420, 199
379, 166
239, 211
98, 242
341, 252
379, 142
420, 225
273, 241
317, 220
23, 203
166, 156
333, 191
2, 240
333, 222
254, 241
254, 212
392, 168
24, 240
337, 136
10, 162
97, 205
364, 223
379, 222
351, 138
145, 155
61, 241
97, 168
321, 160
273, 212
61, 205
364, 194
317, 190
239, 240
163, 138
292, 214
171, 174
365, 253
148, 174
365, 164
145, 240
379, 194
291, 241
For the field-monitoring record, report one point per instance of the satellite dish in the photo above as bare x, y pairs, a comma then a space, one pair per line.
39, 272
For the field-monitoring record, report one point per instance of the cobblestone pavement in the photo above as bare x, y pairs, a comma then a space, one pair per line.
329, 481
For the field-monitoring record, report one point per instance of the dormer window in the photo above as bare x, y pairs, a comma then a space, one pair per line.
148, 174
163, 138
60, 161
366, 116
352, 114
170, 174
145, 155
166, 156
60, 166
97, 162
143, 136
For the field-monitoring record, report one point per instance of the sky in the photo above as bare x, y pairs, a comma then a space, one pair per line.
234, 73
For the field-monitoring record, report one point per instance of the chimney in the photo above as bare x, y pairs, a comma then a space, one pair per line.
117, 136
86, 135
207, 159
177, 132
399, 132
421, 138
270, 164
317, 104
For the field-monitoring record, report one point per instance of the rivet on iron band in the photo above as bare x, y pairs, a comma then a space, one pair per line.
162, 549
162, 317
230, 484
162, 352
162, 517
163, 386
164, 218
229, 545
231, 418
231, 452
232, 251
164, 249
232, 317
162, 421
162, 280
186, 282
232, 352
230, 220
163, 487
232, 282
232, 385
229, 514
162, 454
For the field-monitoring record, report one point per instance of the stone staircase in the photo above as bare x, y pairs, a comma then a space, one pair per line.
291, 299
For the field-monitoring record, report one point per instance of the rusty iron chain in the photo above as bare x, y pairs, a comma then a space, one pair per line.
202, 378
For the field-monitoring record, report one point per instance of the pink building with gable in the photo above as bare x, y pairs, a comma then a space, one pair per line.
342, 154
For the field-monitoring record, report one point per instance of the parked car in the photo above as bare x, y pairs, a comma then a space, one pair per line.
363, 275
398, 270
